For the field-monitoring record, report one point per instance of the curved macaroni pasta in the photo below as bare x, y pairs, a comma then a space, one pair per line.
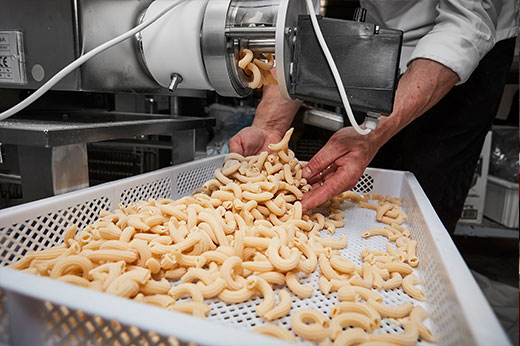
310, 324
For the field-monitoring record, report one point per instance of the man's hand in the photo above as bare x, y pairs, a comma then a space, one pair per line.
273, 117
344, 158
253, 140
341, 163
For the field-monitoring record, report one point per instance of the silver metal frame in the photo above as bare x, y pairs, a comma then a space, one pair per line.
218, 54
286, 24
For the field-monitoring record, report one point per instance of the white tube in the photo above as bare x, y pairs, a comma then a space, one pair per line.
334, 70
81, 60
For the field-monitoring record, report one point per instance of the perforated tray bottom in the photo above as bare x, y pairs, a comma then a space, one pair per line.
357, 220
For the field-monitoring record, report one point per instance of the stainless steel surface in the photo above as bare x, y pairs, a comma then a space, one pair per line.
10, 178
262, 45
70, 28
285, 30
51, 171
183, 146
48, 26
323, 119
69, 168
49, 129
218, 54
174, 84
12, 58
251, 32
118, 68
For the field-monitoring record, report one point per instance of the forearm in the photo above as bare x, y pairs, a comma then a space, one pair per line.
274, 112
424, 83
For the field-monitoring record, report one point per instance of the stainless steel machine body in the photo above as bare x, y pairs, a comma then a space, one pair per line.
193, 48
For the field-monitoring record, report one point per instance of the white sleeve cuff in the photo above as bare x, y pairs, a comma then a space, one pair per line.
452, 50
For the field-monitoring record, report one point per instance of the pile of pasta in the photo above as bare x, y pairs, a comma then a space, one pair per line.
243, 234
258, 68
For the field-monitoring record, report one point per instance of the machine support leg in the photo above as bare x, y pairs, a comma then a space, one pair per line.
52, 171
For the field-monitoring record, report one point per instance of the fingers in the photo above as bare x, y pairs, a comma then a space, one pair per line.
344, 178
323, 175
323, 159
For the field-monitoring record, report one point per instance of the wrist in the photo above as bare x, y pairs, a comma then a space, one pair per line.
387, 127
270, 126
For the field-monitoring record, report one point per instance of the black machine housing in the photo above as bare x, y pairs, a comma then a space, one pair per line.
366, 56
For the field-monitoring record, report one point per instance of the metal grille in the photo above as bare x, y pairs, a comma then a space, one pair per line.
305, 149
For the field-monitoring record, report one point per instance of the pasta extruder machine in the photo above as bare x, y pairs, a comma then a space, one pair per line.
197, 46
192, 48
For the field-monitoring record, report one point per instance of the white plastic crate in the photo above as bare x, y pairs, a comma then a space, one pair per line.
502, 202
36, 310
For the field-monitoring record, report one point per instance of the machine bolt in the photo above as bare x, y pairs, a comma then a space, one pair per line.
176, 79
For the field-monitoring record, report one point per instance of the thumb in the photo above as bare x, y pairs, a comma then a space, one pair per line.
323, 158
235, 145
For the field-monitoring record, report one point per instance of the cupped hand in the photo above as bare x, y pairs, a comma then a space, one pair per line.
341, 162
253, 140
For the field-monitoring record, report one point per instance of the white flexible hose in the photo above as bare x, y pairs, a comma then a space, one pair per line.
334, 70
82, 59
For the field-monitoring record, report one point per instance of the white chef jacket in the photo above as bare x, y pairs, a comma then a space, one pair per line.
455, 33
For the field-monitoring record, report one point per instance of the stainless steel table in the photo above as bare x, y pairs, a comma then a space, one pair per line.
52, 145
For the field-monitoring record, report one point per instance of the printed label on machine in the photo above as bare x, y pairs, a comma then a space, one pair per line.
12, 60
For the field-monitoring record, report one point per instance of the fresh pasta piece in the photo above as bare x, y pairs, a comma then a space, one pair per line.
410, 252
417, 316
276, 332
409, 288
282, 308
377, 231
401, 268
400, 311
292, 281
274, 278
191, 308
155, 287
266, 291
394, 282
366, 293
326, 269
325, 285
233, 297
75, 280
351, 336
408, 338
231, 267
342, 264
282, 264
347, 293
310, 324
187, 289
68, 263
349, 319
359, 308
284, 143
213, 289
